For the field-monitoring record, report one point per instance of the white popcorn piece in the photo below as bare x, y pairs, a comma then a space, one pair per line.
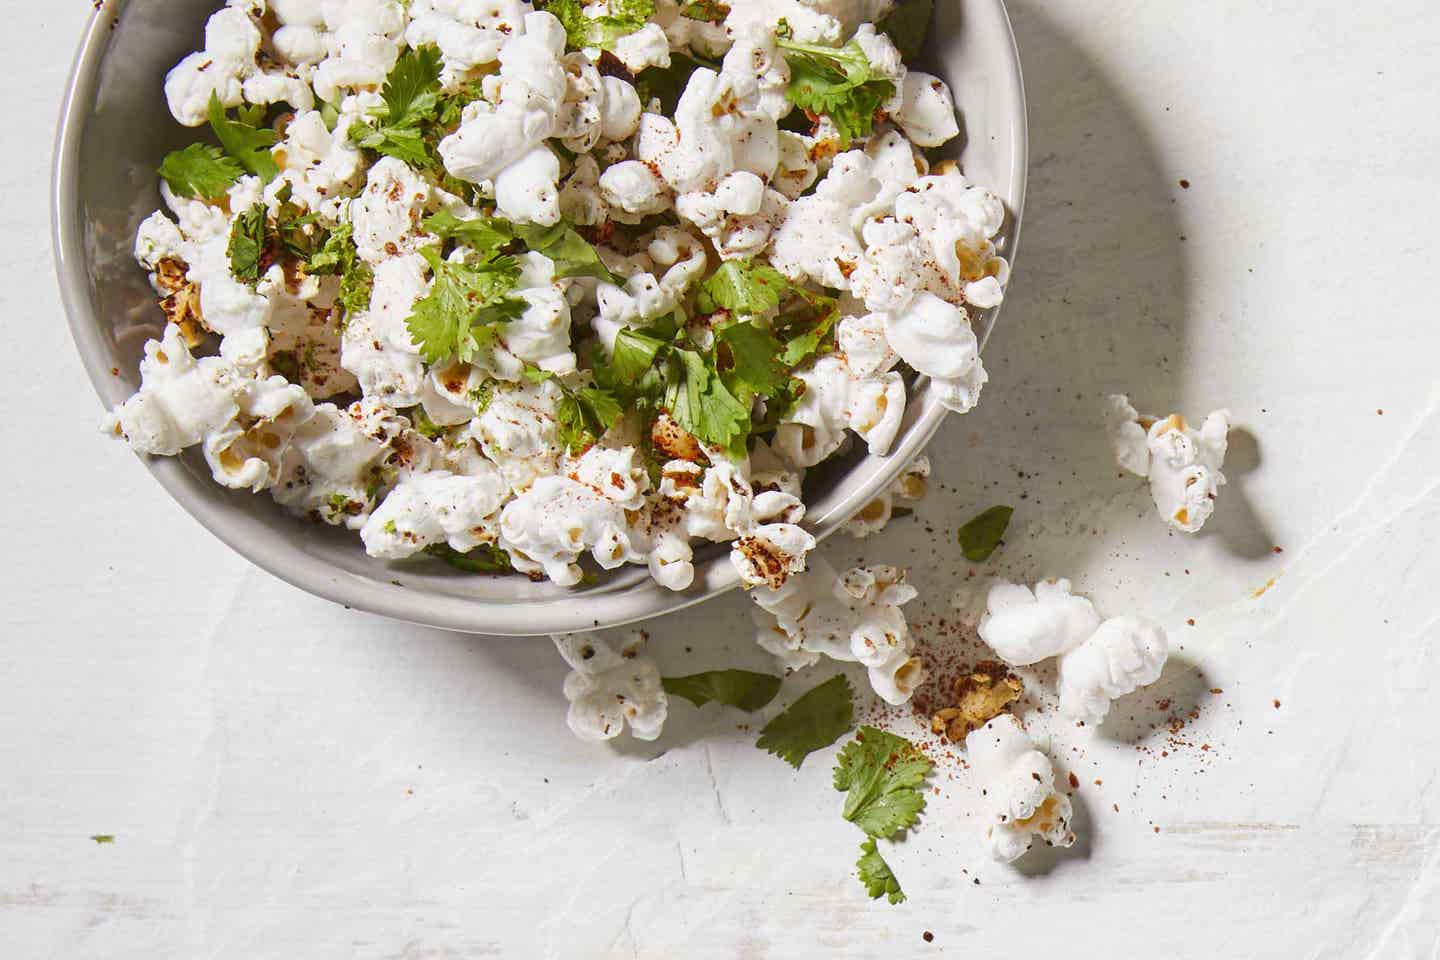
1182, 463
436, 507
517, 431
1025, 626
247, 454
469, 34
387, 215
361, 39
376, 346
611, 685
1019, 789
1124, 654
853, 618
836, 399
229, 68
770, 554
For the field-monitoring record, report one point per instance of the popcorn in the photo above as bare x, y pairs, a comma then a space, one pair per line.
926, 111
738, 217
610, 685
517, 431
1025, 626
912, 485
228, 68
436, 507
1019, 790
854, 618
1182, 464
633, 191
362, 42
376, 346
770, 553
388, 213
1124, 654
247, 453
469, 34
835, 399
936, 339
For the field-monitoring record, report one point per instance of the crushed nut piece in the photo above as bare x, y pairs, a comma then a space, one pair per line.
980, 696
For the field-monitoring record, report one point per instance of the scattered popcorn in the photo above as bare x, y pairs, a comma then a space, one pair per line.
1019, 790
1182, 464
611, 685
1025, 626
1124, 654
910, 486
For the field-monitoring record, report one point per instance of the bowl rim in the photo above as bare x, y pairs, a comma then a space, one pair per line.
556, 614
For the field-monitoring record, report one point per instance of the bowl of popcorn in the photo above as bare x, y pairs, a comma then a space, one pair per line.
525, 318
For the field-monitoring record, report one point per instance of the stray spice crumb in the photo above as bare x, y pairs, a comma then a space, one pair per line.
927, 936
1277, 704
1184, 184
1191, 621
1074, 782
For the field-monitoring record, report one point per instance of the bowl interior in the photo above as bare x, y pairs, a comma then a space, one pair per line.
114, 131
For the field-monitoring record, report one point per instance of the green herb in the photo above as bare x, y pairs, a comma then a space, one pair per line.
573, 254
698, 399
248, 244
805, 327
747, 358
465, 304
882, 776
710, 11
296, 233
907, 25
583, 416
103, 838
338, 255
245, 139
329, 114
742, 287
876, 874
811, 723
622, 17
412, 95
634, 354
428, 428
484, 235
980, 537
837, 82
486, 558
200, 171
742, 689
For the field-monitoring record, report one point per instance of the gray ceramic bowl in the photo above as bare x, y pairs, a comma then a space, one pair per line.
114, 129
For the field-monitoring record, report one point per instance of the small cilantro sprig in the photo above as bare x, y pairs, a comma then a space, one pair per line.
742, 287
466, 302
980, 537
742, 689
837, 82
245, 138
882, 776
622, 17
339, 256
573, 255
486, 559
249, 244
811, 723
412, 96
200, 171
876, 874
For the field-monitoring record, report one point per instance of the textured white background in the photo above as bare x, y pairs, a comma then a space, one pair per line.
286, 779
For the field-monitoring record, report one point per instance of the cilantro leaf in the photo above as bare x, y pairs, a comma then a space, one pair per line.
837, 82
876, 874
811, 723
200, 171
412, 95
622, 17
747, 357
248, 244
711, 11
583, 416
981, 535
907, 25
103, 837
634, 353
484, 235
805, 328
245, 140
742, 689
457, 318
572, 253
882, 776
486, 558
700, 402
742, 287
338, 256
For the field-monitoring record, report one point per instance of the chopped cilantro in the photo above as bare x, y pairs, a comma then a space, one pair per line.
742, 287
583, 416
248, 244
836, 82
103, 837
804, 327
710, 11
200, 171
882, 776
622, 17
245, 140
742, 689
811, 723
338, 255
747, 358
457, 318
486, 558
634, 354
875, 873
572, 253
484, 235
412, 96
698, 399
428, 428
980, 537
907, 25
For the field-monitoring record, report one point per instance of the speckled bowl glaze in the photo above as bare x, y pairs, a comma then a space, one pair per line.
114, 129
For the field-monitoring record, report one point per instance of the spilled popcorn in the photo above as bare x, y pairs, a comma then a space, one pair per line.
1181, 463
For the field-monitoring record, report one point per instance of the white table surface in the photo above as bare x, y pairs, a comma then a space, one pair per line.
288, 779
